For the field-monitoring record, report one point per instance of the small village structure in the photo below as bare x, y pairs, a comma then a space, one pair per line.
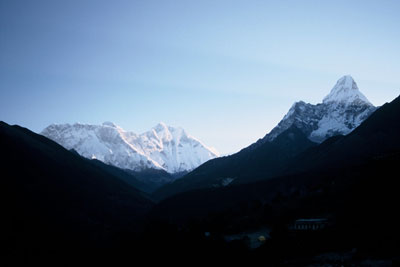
309, 224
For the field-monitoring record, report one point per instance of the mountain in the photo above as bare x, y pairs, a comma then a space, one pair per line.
351, 180
340, 112
152, 179
163, 147
370, 154
248, 165
57, 201
305, 125
377, 137
146, 181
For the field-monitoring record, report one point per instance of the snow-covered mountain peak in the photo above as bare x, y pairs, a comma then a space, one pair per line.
162, 147
168, 133
346, 91
163, 132
341, 111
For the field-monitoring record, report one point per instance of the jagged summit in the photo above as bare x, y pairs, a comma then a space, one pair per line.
161, 126
163, 147
341, 111
166, 132
345, 90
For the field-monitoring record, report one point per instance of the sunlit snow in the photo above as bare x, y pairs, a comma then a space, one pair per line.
341, 111
163, 147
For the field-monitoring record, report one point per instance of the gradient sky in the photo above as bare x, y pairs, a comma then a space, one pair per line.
226, 71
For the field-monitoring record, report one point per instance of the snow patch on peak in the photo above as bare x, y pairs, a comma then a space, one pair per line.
346, 91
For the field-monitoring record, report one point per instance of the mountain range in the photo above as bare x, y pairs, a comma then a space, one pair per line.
60, 205
348, 175
304, 126
163, 147
350, 181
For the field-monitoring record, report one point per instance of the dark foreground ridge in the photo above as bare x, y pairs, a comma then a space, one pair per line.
56, 201
63, 209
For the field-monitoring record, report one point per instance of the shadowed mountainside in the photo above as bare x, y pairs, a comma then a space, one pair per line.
248, 165
291, 152
375, 139
350, 180
56, 198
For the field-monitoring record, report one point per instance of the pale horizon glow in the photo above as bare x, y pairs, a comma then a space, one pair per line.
225, 71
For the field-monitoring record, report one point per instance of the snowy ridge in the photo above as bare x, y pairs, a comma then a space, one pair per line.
163, 147
341, 111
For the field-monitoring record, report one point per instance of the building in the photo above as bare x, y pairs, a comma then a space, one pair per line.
309, 224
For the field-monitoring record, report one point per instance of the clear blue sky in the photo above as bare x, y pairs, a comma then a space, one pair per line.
226, 71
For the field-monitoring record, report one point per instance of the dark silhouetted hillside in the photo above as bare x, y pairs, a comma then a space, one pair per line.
248, 165
55, 201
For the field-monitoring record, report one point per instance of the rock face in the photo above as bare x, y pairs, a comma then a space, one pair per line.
163, 147
341, 111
